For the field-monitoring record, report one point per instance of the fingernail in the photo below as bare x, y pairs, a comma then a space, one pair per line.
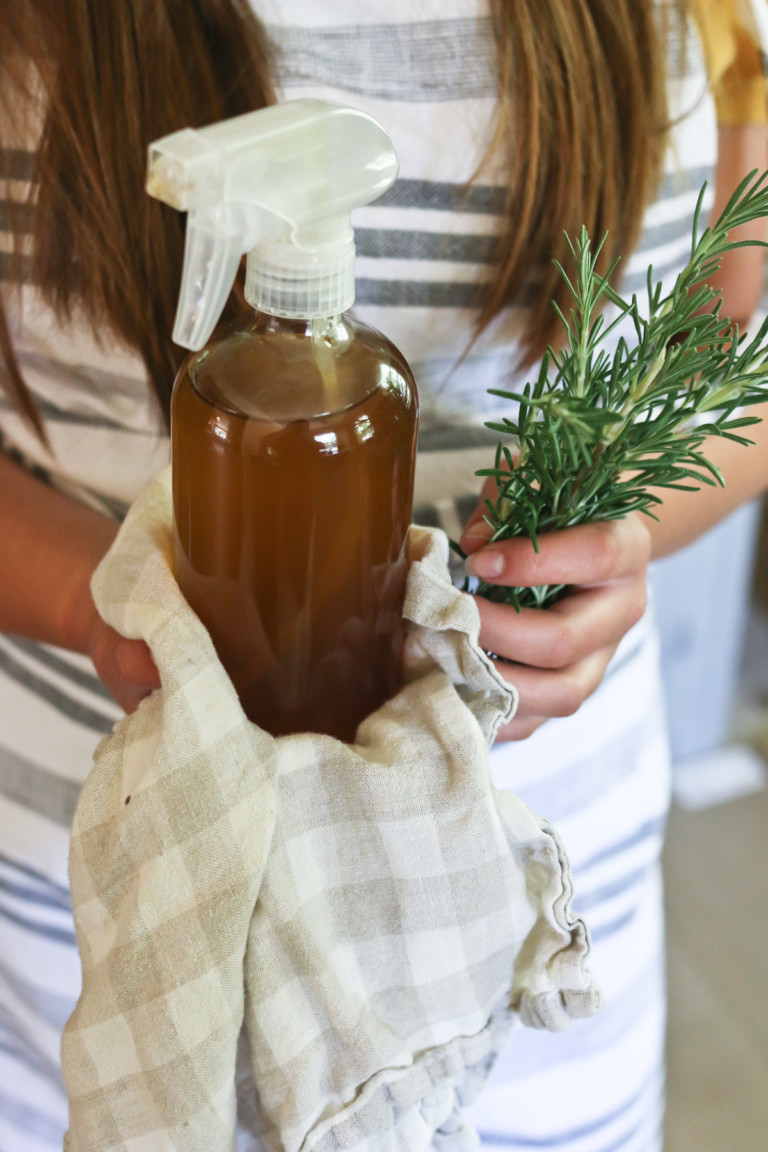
486, 565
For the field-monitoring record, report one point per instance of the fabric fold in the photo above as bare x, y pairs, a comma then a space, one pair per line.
375, 915
169, 844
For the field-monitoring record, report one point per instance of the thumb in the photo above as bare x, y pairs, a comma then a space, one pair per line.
476, 534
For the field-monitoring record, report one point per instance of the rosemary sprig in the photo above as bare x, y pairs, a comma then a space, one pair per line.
596, 431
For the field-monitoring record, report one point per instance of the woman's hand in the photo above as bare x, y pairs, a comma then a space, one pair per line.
558, 655
125, 666
50, 548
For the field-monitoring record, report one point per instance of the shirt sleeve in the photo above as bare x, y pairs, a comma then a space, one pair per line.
734, 34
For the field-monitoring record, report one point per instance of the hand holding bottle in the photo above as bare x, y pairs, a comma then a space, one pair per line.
51, 546
125, 666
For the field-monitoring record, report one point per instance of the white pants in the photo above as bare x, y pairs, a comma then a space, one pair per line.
598, 1087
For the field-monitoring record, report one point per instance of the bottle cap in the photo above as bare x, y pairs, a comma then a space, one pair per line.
278, 184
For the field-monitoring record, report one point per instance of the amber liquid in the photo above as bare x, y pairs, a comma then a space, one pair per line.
290, 518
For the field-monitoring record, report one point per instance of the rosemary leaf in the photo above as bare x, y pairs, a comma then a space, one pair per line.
597, 430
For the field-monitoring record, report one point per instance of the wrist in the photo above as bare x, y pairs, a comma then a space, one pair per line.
78, 615
51, 545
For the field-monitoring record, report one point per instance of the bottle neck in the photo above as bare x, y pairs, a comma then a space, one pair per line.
333, 328
327, 335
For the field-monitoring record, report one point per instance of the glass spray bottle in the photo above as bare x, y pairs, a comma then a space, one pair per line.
294, 427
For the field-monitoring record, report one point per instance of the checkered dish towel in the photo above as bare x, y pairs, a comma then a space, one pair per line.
375, 916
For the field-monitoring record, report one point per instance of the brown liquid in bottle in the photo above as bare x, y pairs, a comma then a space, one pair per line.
293, 455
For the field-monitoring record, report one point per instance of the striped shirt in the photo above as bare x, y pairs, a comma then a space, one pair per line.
425, 69
425, 249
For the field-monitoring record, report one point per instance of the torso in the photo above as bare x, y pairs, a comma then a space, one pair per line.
424, 249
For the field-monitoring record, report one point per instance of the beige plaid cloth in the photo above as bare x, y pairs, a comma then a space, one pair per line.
373, 917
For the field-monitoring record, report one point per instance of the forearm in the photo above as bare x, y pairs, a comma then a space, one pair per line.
741, 150
50, 547
684, 516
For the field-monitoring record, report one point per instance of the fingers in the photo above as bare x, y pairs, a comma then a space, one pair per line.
489, 491
125, 666
476, 532
135, 674
589, 619
134, 663
519, 728
586, 554
129, 696
546, 694
556, 658
549, 694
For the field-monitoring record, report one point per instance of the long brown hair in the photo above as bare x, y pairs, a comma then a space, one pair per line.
581, 129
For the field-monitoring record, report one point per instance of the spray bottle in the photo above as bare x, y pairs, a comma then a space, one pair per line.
293, 428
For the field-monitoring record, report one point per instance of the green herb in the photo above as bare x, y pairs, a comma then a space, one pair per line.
595, 431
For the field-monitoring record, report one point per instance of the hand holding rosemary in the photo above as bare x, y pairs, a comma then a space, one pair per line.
596, 432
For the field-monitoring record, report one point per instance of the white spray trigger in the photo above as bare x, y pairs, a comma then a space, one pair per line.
278, 184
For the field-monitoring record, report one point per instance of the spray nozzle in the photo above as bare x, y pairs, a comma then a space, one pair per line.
278, 184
